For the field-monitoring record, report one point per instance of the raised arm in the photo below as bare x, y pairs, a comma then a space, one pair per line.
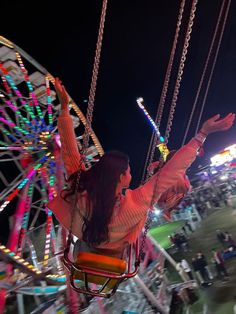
149, 193
69, 148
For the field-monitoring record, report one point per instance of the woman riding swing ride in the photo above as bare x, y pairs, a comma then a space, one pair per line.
95, 208
106, 219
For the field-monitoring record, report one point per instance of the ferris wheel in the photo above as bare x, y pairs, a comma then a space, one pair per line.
31, 170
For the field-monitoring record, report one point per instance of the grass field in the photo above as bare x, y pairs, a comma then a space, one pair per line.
162, 232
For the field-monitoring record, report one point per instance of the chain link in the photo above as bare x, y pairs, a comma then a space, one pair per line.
90, 108
213, 66
180, 70
203, 73
144, 237
154, 139
173, 103
169, 67
93, 86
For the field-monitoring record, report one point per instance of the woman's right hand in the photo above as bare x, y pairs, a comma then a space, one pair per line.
216, 124
62, 94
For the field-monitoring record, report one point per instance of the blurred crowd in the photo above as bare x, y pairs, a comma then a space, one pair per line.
208, 195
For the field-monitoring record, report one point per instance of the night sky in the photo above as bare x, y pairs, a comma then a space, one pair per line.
137, 42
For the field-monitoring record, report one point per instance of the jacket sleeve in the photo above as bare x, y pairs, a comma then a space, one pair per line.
69, 148
149, 193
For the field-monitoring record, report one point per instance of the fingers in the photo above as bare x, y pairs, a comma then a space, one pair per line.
216, 117
64, 90
226, 123
229, 118
57, 81
58, 84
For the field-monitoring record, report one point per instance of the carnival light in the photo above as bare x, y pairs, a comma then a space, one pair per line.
19, 260
24, 181
157, 212
140, 103
27, 135
25, 219
223, 177
30, 87
49, 102
222, 158
232, 150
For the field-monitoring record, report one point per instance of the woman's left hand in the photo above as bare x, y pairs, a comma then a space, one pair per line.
62, 94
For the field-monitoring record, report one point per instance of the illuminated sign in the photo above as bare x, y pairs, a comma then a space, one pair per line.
227, 155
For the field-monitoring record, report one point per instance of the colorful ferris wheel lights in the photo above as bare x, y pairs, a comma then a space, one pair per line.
49, 102
28, 129
24, 181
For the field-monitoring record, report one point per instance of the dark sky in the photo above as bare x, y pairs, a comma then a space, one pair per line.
137, 42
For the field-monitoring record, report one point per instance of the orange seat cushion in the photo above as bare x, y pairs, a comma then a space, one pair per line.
99, 263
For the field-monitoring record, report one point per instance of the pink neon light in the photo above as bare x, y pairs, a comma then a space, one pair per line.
3, 297
24, 225
13, 107
28, 177
13, 240
7, 122
17, 92
13, 148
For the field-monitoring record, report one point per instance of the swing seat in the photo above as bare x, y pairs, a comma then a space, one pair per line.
105, 265
102, 271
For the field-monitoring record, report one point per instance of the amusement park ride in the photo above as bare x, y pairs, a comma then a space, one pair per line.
32, 174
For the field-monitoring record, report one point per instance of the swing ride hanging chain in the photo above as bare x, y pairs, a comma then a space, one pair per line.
154, 138
180, 70
93, 86
213, 66
204, 72
171, 115
144, 237
148, 221
150, 155
90, 108
169, 67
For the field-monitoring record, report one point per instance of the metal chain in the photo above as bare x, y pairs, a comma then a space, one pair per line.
90, 108
169, 67
204, 72
213, 66
89, 116
149, 218
171, 114
144, 237
93, 86
180, 70
154, 138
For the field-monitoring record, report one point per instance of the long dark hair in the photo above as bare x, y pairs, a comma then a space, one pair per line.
100, 183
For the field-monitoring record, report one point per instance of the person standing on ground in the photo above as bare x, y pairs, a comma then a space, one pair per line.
202, 262
184, 264
219, 264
